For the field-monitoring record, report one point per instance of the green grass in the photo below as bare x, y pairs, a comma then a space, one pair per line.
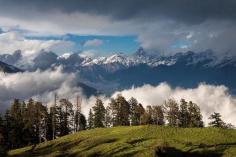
138, 141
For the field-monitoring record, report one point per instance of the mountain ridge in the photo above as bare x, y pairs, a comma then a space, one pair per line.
119, 71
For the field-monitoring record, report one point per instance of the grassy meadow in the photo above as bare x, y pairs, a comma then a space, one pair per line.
143, 141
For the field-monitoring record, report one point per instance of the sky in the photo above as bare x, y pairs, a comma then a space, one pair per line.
96, 44
102, 27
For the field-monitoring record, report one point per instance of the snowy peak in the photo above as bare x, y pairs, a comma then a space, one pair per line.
73, 61
116, 58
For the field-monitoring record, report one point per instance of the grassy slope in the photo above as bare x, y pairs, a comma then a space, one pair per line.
138, 141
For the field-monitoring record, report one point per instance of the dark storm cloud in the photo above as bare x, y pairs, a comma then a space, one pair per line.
186, 11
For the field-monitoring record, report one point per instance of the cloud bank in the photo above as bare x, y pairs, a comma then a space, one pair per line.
210, 98
43, 85
39, 85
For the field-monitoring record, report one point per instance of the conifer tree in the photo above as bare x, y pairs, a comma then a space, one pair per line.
141, 111
2, 139
158, 115
99, 114
66, 115
90, 119
195, 117
82, 122
115, 112
7, 130
16, 125
183, 114
216, 120
54, 121
108, 118
172, 112
41, 115
123, 110
146, 118
134, 112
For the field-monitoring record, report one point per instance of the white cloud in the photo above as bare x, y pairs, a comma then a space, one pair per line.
12, 41
93, 42
216, 35
210, 98
43, 85
36, 84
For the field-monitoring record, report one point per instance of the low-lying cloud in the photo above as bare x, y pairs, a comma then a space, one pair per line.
39, 85
210, 98
43, 85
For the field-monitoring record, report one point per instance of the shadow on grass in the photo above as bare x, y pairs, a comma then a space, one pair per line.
63, 149
60, 149
136, 141
173, 152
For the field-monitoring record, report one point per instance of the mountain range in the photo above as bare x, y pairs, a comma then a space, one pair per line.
119, 71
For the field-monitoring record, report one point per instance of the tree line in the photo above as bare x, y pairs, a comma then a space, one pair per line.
120, 112
32, 122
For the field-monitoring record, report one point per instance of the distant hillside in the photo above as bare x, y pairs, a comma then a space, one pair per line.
138, 141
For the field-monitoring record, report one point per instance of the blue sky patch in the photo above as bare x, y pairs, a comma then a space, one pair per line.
109, 45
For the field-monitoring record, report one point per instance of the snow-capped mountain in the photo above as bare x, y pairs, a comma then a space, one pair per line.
45, 60
120, 71
127, 61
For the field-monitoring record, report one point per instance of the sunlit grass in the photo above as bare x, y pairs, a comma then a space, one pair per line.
137, 141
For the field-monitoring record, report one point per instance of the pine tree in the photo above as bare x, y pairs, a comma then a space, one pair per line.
108, 118
16, 125
115, 112
158, 115
123, 111
77, 121
66, 115
41, 115
183, 114
99, 114
2, 139
90, 119
216, 120
78, 115
134, 112
30, 123
172, 112
53, 123
146, 118
195, 117
82, 122
141, 111
7, 130
50, 124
